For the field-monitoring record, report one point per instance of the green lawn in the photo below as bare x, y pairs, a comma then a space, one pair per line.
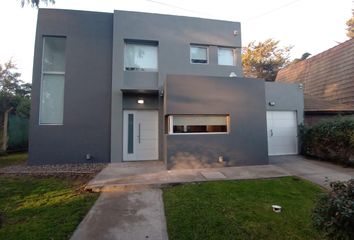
13, 159
45, 208
241, 210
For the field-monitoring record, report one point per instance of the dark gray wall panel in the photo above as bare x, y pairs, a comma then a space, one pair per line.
140, 80
287, 97
242, 99
87, 96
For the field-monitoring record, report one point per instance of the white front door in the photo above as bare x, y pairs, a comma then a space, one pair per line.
140, 135
282, 132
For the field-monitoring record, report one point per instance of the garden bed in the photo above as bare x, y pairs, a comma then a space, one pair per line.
15, 165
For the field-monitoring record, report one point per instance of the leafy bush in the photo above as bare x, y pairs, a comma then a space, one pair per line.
334, 212
329, 140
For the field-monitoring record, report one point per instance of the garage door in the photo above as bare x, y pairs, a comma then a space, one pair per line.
282, 132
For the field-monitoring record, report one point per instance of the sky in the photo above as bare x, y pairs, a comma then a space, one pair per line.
308, 25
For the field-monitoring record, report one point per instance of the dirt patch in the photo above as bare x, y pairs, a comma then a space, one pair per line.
64, 170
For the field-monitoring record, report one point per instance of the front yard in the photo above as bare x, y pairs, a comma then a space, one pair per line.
51, 208
41, 208
241, 210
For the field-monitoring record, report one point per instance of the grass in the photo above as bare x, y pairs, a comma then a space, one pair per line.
13, 159
47, 208
241, 210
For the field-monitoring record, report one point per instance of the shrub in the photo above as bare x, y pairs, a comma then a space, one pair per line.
334, 212
329, 140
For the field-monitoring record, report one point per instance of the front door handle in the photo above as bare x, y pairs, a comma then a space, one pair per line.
139, 133
271, 132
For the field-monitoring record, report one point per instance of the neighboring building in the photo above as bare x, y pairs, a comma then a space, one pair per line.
132, 86
329, 77
317, 109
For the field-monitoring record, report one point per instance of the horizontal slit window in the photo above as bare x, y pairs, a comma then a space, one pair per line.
190, 124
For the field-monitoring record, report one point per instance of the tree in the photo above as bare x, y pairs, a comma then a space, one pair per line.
10, 82
264, 59
14, 97
350, 28
35, 3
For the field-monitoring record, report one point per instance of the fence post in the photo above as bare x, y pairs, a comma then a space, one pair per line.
4, 134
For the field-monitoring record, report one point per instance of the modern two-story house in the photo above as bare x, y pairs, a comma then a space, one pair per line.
129, 86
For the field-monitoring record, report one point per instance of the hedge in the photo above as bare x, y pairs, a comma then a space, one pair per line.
331, 140
334, 211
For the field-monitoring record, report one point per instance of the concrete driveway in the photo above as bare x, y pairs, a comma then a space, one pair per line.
319, 172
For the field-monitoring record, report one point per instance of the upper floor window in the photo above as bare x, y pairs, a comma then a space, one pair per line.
226, 56
199, 54
52, 82
140, 57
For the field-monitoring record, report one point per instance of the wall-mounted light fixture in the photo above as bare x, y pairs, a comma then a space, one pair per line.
301, 86
271, 104
233, 74
140, 101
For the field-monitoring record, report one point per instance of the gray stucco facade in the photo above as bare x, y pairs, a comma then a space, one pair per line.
173, 35
286, 97
242, 99
99, 90
87, 92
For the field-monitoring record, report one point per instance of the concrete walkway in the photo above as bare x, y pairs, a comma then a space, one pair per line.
125, 215
319, 172
131, 206
118, 176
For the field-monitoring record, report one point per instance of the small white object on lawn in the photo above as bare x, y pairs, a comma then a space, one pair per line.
276, 208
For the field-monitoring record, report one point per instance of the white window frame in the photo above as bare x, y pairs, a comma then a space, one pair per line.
234, 55
199, 46
170, 124
142, 44
41, 85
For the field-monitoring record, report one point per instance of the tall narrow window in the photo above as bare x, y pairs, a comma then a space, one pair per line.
52, 83
140, 57
226, 56
130, 133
